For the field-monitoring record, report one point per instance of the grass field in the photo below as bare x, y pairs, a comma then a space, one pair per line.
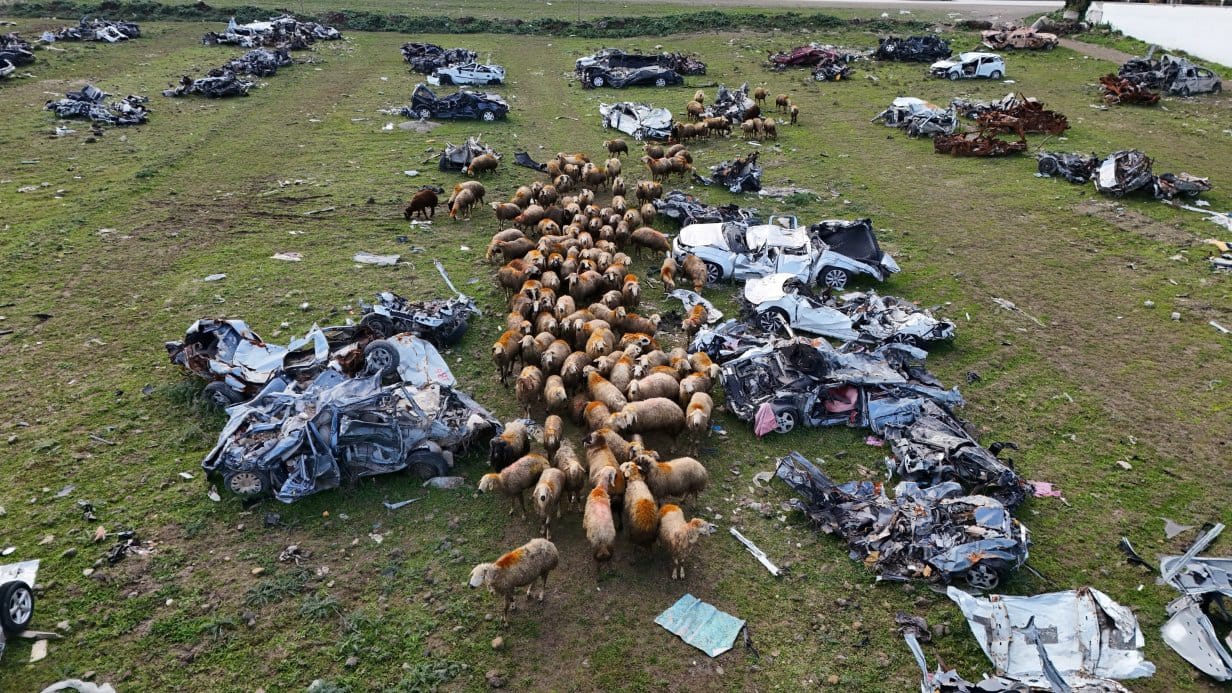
114, 243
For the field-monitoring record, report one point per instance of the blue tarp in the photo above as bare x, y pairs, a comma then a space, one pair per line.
701, 625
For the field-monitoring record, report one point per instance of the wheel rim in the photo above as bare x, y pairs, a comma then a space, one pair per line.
246, 484
425, 113
21, 606
713, 273
489, 116
768, 321
901, 338
379, 324
836, 278
597, 81
660, 82
996, 74
220, 399
982, 577
379, 360
786, 421
954, 75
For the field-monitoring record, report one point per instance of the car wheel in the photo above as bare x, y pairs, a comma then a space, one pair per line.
953, 76
454, 336
381, 357
596, 81
908, 339
714, 273
772, 320
784, 421
660, 82
16, 607
425, 113
426, 464
983, 577
1217, 87
489, 116
380, 325
248, 483
835, 277
446, 80
221, 394
1185, 91
995, 74
493, 82
1048, 166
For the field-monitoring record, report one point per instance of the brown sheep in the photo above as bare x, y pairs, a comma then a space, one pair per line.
582, 287
760, 94
530, 216
573, 369
695, 110
511, 444
751, 127
555, 396
506, 348
770, 129
595, 415
718, 124
691, 383
646, 237
422, 203
679, 536
699, 96
599, 458
781, 103
566, 460
512, 275
621, 373
546, 496
616, 147
700, 361
631, 290
655, 414
653, 151
659, 168
462, 203
648, 191
529, 386
795, 114
523, 566
697, 414
641, 511
513, 480
594, 176
597, 520
556, 353
667, 273
553, 432
678, 478
654, 385
618, 188
613, 169
512, 250
474, 186
632, 322
695, 269
648, 212
693, 322
602, 390
600, 342
621, 449
481, 164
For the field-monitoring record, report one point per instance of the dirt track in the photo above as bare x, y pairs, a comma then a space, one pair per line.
970, 9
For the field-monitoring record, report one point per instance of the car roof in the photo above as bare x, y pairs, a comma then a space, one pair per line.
768, 288
977, 54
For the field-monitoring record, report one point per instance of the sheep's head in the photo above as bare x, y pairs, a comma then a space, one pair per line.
489, 482
480, 574
703, 528
631, 471
607, 479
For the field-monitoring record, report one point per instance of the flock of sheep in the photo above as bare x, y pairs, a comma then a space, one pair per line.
586, 355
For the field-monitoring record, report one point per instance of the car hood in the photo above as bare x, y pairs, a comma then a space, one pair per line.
769, 288
703, 235
943, 64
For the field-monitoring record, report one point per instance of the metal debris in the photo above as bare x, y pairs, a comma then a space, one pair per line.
88, 103
701, 625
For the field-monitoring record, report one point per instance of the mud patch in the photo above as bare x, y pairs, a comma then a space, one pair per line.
1136, 222
420, 126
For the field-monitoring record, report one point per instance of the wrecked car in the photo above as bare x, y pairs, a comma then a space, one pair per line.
1022, 38
464, 105
621, 77
1073, 167
883, 319
918, 117
467, 73
6, 69
932, 533
1013, 113
1117, 90
97, 30
977, 144
1171, 74
687, 209
738, 175
427, 58
442, 322
970, 66
16, 598
615, 58
732, 104
800, 56
89, 104
916, 49
15, 50
638, 120
832, 72
781, 301
1129, 170
276, 31
727, 340
459, 157
260, 62
740, 251
1205, 584
213, 86
290, 444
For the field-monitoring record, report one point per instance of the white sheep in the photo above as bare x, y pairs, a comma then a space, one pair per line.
522, 566
547, 497
679, 536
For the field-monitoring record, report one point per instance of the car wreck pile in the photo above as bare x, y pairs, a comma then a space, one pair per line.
639, 120
738, 175
89, 104
225, 80
283, 30
97, 30
426, 58
1121, 173
918, 118
612, 67
14, 52
734, 105
1117, 90
459, 158
687, 209
1020, 38
462, 105
1014, 113
914, 49
982, 142
829, 63
1171, 74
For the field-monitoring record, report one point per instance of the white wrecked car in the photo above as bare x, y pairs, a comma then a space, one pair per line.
467, 73
638, 120
970, 66
16, 598
782, 301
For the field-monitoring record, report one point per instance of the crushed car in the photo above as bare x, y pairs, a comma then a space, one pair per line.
918, 118
290, 442
259, 62
1013, 113
638, 120
442, 322
732, 104
464, 105
686, 209
1129, 170
16, 598
1021, 38
459, 157
1116, 90
737, 175
972, 65
468, 73
832, 72
283, 30
89, 103
609, 58
96, 30
1170, 74
1073, 167
934, 533
884, 319
812, 55
981, 143
782, 301
915, 49
219, 84
15, 50
620, 77
426, 58
1205, 584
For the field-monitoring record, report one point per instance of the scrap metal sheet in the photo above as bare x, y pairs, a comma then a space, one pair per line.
701, 625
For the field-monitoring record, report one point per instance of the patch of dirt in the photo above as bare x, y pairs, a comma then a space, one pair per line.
1100, 52
1135, 222
420, 126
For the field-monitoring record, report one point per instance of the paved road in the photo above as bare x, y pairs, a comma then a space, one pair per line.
970, 9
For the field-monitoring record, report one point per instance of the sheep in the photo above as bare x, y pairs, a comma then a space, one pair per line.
697, 414
422, 203
770, 129
694, 268
679, 536
646, 237
622, 450
529, 385
574, 367
511, 250
583, 286
659, 168
648, 191
648, 211
751, 127
613, 169
547, 497
692, 323
641, 511
511, 444
678, 478
523, 566
699, 96
632, 322
514, 479
602, 341
462, 203
654, 414
695, 110
781, 103
530, 216
667, 273
597, 520
618, 188
595, 415
653, 385
604, 391
691, 383
506, 348
482, 163
795, 114
653, 151
556, 353
555, 396
514, 274
622, 372
566, 460
700, 361
760, 94
616, 147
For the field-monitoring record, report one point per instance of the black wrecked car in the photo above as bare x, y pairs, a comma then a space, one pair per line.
913, 49
426, 58
15, 50
621, 77
464, 105
616, 58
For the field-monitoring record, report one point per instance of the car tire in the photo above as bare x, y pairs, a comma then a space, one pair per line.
454, 336
248, 483
446, 80
1185, 92
772, 320
835, 278
1216, 87
784, 421
493, 82
714, 273
425, 113
995, 74
983, 577
489, 116
908, 339
597, 81
16, 607
220, 394
426, 464
381, 357
1048, 166
380, 325
660, 82
953, 76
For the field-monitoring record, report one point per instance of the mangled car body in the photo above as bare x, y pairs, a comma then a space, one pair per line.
610, 58
687, 209
426, 58
290, 443
780, 300
1205, 584
283, 30
971, 65
1129, 170
459, 157
213, 86
1073, 167
89, 104
738, 175
259, 62
15, 51
918, 117
1172, 75
1021, 38
639, 120
97, 30
883, 319
810, 56
981, 143
934, 533
620, 77
468, 73
442, 322
915, 49
1013, 113
464, 105
740, 251
832, 72
1117, 90
732, 104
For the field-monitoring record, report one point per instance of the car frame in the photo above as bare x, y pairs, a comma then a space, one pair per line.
1024, 38
467, 74
464, 105
638, 120
17, 582
970, 65
616, 58
600, 76
781, 301
1194, 79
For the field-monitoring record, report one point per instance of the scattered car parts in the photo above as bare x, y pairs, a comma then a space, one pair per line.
464, 105
1022, 38
214, 86
97, 30
883, 319
832, 72
915, 49
442, 322
1204, 582
427, 58
1117, 90
459, 157
1129, 170
687, 209
1073, 167
1013, 113
88, 103
15, 50
260, 62
973, 65
732, 104
639, 120
738, 175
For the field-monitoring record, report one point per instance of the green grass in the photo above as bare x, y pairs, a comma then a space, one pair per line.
197, 191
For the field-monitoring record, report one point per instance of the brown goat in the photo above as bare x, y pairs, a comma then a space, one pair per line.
422, 203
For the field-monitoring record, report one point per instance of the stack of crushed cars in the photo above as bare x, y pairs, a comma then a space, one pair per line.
89, 104
913, 49
829, 63
225, 80
95, 30
732, 104
613, 67
1013, 113
1171, 74
283, 30
426, 58
14, 52
1121, 173
919, 118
